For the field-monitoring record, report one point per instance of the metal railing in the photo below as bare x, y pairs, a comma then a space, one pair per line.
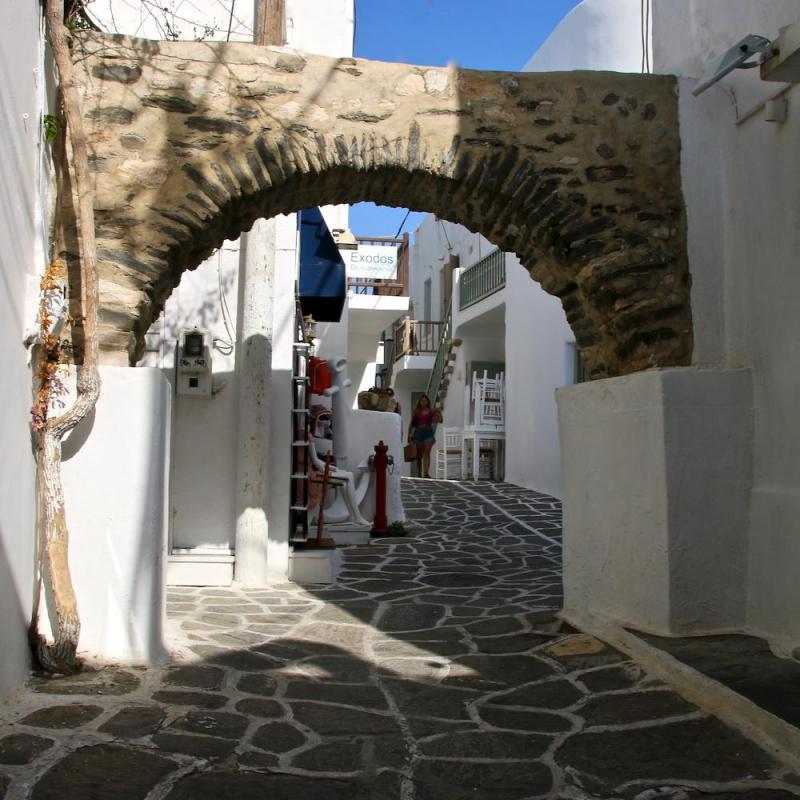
483, 278
413, 337
437, 373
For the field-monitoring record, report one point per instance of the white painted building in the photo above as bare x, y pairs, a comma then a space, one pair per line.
682, 487
517, 328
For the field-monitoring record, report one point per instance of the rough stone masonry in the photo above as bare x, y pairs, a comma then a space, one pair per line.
578, 173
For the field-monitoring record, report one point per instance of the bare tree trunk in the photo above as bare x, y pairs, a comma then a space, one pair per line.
60, 654
269, 22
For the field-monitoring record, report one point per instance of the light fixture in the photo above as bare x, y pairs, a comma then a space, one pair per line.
738, 57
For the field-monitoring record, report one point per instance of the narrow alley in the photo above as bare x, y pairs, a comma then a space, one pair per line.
435, 668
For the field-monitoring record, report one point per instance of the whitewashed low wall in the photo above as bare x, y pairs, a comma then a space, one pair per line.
657, 472
116, 488
365, 430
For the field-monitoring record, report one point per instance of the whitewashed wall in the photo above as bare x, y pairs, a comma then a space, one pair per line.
22, 257
740, 190
540, 355
117, 516
745, 270
520, 325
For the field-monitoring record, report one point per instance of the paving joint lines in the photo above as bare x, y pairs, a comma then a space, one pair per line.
436, 666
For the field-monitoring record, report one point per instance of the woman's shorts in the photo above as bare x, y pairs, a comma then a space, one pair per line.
423, 435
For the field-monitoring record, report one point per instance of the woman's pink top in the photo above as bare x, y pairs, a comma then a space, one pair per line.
423, 419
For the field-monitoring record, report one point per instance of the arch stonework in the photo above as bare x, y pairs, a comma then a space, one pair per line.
577, 173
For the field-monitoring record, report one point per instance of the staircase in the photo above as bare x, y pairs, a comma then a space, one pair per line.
443, 364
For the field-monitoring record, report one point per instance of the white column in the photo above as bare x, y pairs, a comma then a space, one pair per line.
254, 359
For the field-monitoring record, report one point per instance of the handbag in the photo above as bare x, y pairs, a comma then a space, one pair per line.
410, 452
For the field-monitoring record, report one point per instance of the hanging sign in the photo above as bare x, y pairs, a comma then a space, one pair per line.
371, 261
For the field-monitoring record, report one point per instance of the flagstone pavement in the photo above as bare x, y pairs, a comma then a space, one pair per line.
435, 668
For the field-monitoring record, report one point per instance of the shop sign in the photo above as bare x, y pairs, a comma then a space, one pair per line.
371, 261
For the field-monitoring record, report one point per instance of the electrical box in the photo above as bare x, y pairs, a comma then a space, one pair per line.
193, 363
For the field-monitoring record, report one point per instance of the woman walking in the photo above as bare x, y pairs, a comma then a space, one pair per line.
421, 431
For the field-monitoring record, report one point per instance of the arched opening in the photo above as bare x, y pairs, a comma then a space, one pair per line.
576, 173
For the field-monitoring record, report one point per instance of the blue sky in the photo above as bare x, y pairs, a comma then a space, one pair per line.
475, 34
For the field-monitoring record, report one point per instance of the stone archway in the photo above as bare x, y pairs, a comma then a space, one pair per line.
578, 173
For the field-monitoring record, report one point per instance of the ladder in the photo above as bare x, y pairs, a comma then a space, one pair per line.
301, 413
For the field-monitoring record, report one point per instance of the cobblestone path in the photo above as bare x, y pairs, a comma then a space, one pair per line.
435, 669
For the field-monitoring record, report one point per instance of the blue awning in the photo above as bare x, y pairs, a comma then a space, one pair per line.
322, 282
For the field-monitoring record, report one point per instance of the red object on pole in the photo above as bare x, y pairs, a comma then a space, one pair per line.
381, 462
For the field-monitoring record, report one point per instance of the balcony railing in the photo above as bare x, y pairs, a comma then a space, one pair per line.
437, 373
413, 337
482, 279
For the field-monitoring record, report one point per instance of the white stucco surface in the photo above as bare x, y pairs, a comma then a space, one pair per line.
21, 258
365, 430
597, 35
740, 188
689, 34
540, 355
116, 502
657, 468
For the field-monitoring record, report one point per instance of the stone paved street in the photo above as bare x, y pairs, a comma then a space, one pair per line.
435, 668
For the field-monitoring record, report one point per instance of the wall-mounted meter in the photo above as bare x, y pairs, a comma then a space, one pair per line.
193, 367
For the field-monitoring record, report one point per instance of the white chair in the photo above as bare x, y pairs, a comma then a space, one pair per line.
488, 395
450, 456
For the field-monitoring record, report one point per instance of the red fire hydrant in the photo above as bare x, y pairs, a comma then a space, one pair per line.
380, 463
